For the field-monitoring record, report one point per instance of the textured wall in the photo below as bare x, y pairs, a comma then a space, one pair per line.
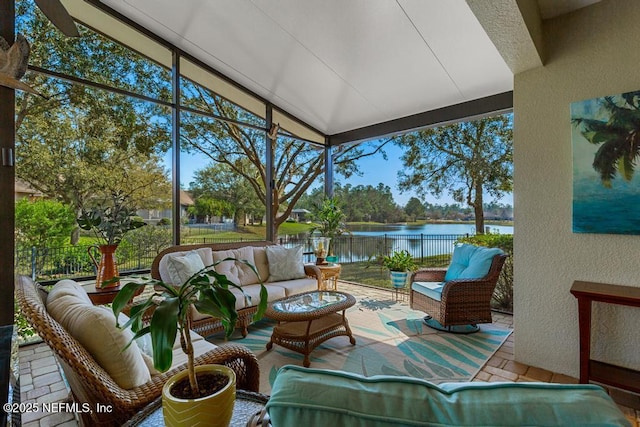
590, 53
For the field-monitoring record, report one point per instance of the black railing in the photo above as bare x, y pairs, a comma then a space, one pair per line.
74, 261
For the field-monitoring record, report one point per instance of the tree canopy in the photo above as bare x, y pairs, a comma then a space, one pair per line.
219, 181
365, 202
465, 159
81, 143
297, 164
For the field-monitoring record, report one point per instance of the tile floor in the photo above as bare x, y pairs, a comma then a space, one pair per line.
41, 378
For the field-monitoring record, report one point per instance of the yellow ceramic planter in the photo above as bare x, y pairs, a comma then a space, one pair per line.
214, 410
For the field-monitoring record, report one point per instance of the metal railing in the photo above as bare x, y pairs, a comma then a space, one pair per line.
52, 263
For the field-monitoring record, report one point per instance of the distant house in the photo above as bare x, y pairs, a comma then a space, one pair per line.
153, 216
300, 215
24, 191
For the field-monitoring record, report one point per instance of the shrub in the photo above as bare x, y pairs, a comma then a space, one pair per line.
503, 294
72, 260
43, 223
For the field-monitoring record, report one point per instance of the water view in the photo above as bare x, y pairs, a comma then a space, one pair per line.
405, 229
423, 240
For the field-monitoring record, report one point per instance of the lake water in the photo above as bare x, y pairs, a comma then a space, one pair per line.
407, 229
367, 241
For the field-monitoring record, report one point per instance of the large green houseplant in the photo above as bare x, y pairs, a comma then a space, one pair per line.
330, 221
208, 291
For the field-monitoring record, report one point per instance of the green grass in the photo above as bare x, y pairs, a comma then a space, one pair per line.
374, 275
249, 232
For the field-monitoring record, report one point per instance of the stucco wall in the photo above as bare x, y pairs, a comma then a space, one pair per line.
590, 53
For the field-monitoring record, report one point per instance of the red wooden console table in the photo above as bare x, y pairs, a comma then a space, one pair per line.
601, 372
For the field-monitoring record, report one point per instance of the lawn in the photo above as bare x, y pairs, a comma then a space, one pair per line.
374, 275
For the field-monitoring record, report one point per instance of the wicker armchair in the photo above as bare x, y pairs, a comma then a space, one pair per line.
91, 384
463, 304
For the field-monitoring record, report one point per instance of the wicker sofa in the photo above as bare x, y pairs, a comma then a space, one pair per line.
82, 354
255, 253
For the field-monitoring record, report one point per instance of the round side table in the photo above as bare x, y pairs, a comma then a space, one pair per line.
330, 275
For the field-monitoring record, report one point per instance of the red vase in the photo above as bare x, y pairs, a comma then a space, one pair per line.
107, 268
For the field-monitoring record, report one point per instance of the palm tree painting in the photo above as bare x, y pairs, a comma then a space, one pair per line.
606, 150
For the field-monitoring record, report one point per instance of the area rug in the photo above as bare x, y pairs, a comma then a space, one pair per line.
390, 339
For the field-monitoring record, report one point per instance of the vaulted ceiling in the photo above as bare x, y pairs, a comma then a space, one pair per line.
341, 65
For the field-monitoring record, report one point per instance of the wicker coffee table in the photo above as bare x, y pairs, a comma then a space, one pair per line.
307, 320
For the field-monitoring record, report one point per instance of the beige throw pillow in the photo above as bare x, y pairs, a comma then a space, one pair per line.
95, 329
238, 272
182, 267
205, 255
285, 264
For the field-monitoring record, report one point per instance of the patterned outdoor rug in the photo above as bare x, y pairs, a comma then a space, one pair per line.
390, 339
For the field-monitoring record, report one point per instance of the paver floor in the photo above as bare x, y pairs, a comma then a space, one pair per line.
41, 378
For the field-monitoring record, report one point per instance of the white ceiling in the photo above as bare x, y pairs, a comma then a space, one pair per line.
340, 65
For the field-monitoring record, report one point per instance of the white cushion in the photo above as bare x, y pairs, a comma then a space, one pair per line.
298, 286
239, 273
95, 329
205, 255
262, 264
252, 293
182, 267
68, 287
199, 347
285, 264
178, 354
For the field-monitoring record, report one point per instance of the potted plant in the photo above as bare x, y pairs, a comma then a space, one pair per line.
109, 224
331, 224
399, 263
209, 292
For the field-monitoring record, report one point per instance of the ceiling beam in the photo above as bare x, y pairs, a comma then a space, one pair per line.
515, 28
493, 104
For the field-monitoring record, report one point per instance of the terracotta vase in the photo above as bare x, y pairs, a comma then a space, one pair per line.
107, 268
214, 410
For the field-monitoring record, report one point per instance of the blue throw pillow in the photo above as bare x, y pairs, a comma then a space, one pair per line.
471, 262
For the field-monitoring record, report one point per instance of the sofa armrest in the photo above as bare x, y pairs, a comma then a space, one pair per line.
429, 275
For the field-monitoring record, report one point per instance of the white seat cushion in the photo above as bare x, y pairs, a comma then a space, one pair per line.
297, 286
199, 347
431, 289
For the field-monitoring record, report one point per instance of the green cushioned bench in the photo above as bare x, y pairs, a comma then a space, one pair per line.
316, 397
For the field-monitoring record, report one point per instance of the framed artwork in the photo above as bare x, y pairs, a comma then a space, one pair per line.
605, 135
